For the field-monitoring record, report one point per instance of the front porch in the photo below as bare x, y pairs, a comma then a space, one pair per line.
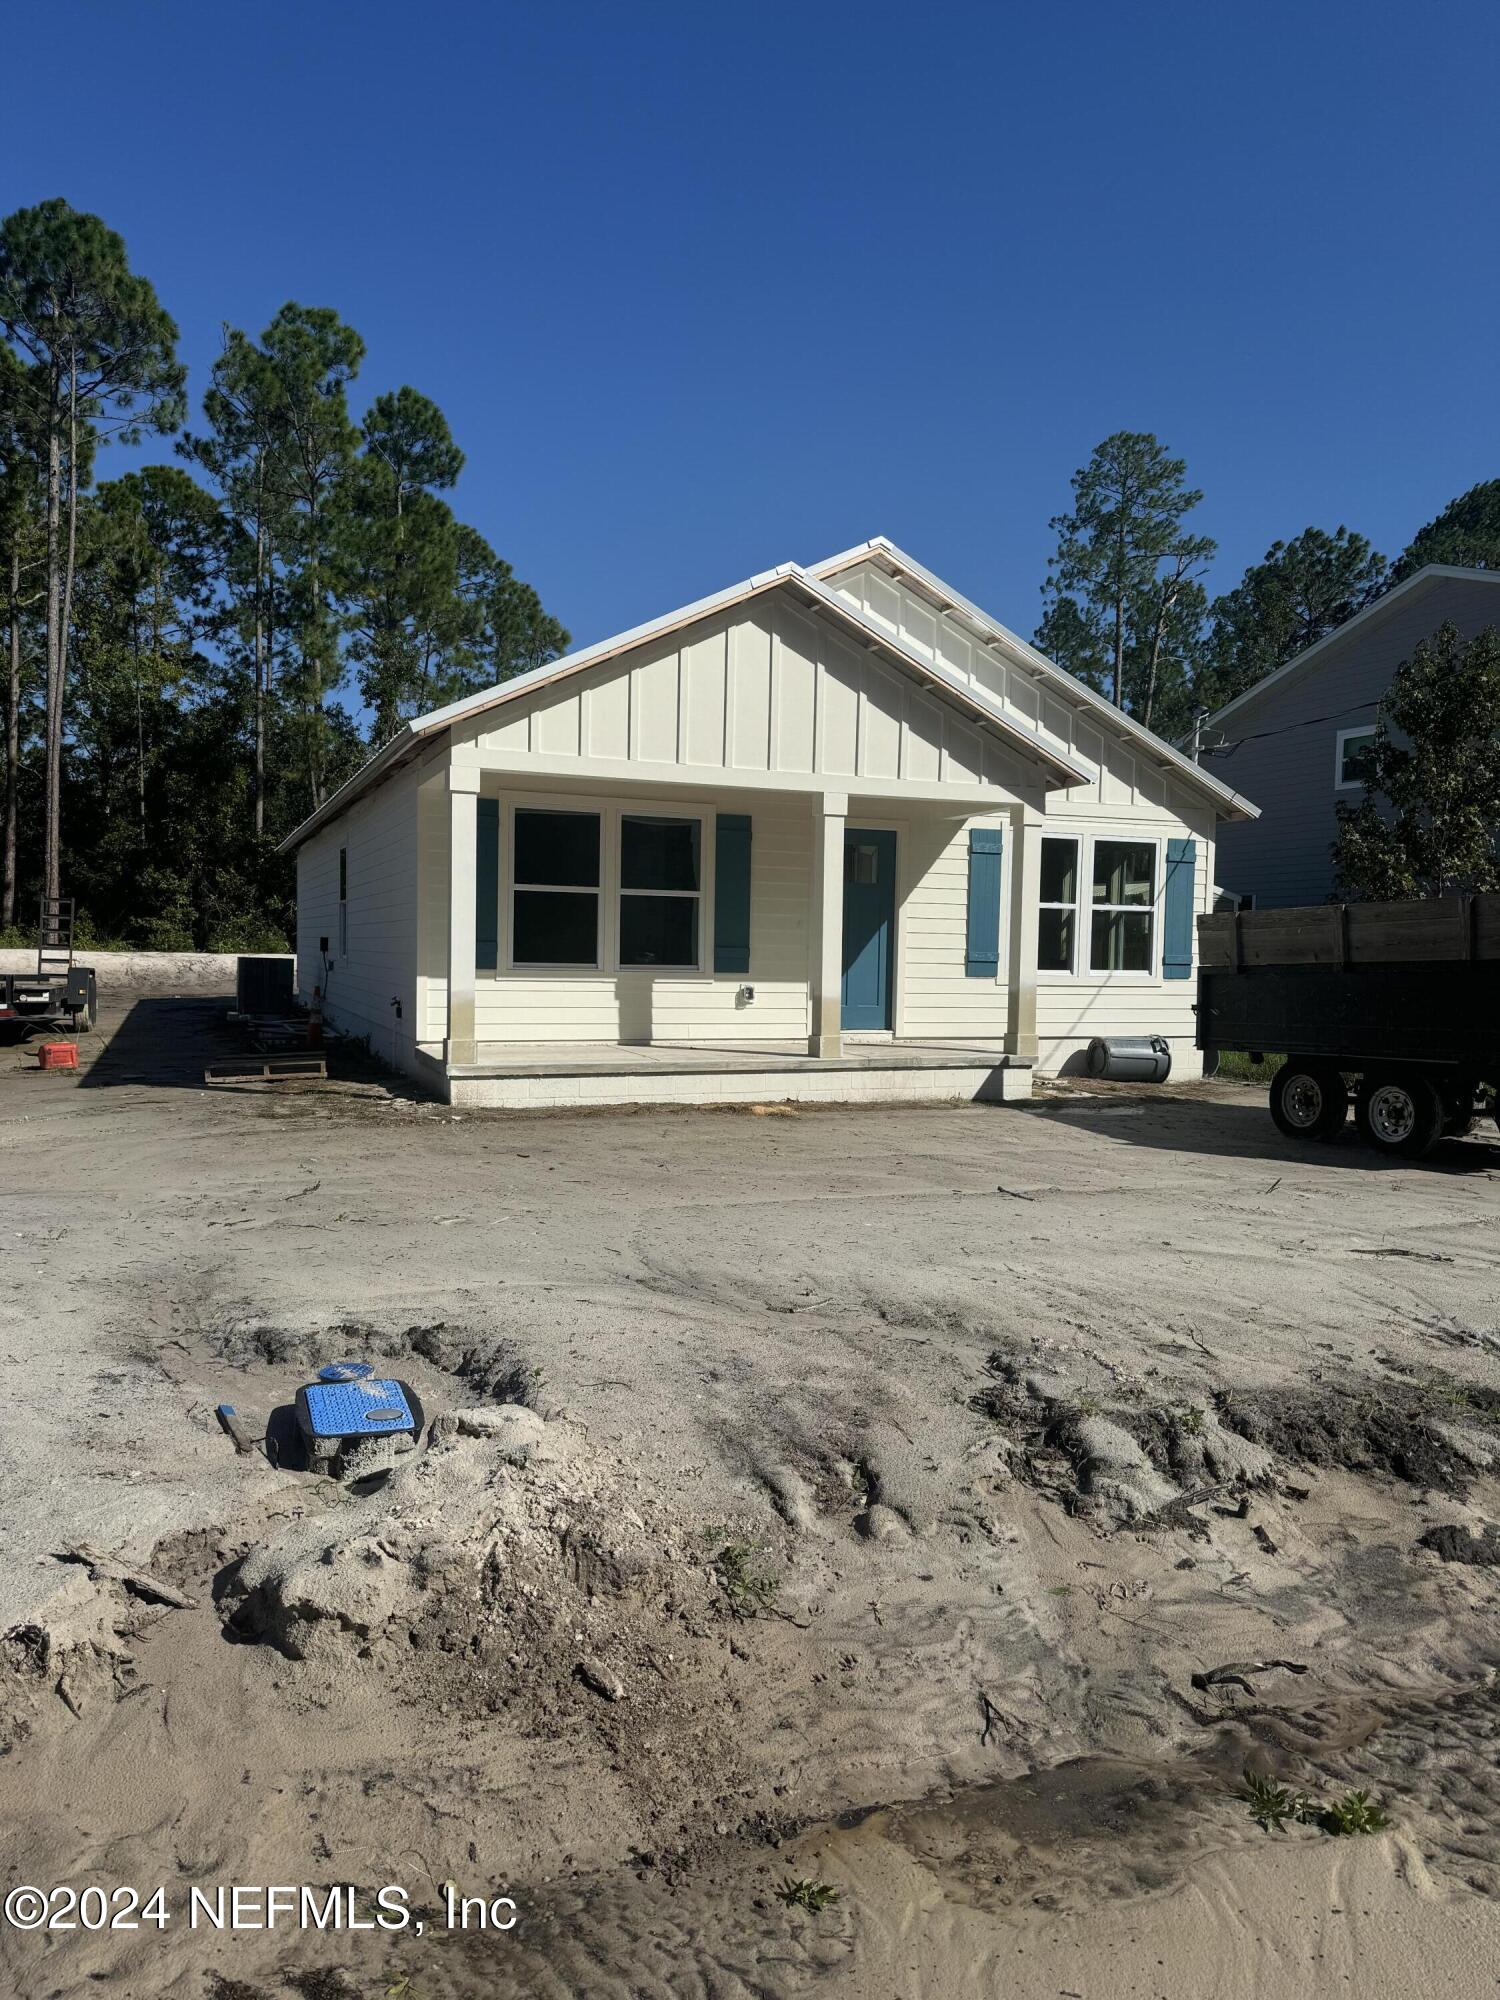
554, 1075
594, 945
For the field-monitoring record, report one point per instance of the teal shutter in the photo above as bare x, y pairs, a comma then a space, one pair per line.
732, 893
1177, 938
982, 949
487, 886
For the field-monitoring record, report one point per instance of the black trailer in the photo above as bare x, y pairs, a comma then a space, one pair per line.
1396, 1004
59, 994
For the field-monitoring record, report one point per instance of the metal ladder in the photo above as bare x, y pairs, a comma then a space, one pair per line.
54, 938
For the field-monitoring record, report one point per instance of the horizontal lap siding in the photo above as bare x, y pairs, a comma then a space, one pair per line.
317, 907
379, 833
937, 997
1071, 1012
635, 1005
433, 809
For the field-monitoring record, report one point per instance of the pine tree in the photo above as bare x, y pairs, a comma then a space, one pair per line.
105, 355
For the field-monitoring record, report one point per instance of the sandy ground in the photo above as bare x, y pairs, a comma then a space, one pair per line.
843, 1498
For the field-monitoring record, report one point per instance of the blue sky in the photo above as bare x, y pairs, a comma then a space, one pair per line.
702, 288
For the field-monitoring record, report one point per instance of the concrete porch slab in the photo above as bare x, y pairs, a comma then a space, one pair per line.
546, 1075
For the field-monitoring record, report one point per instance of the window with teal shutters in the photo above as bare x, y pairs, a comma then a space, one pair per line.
732, 893
982, 946
1179, 899
487, 886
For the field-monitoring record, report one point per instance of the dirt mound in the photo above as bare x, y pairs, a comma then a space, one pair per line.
504, 1571
1461, 1545
1123, 1458
490, 1367
1400, 1431
1132, 1454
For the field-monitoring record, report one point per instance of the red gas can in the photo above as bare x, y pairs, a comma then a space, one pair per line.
58, 1055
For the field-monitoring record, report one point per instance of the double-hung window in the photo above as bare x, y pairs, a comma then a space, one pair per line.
1352, 757
1057, 915
1122, 906
661, 890
555, 900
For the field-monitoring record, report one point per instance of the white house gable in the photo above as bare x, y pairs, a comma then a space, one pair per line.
769, 694
1122, 775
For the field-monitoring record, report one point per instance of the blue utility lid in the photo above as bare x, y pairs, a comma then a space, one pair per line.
367, 1408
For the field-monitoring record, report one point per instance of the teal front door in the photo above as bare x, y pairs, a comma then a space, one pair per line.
869, 926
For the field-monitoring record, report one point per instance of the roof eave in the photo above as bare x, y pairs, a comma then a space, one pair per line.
1229, 802
1429, 573
391, 753
1063, 772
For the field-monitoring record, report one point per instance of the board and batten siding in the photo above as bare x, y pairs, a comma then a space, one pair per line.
1122, 784
762, 694
379, 832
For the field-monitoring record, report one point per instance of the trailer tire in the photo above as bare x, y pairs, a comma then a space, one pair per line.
1399, 1112
1308, 1100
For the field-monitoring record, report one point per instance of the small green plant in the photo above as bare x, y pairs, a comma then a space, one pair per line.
1190, 1421
748, 1588
1235, 1066
800, 1894
1088, 1405
1272, 1805
1356, 1812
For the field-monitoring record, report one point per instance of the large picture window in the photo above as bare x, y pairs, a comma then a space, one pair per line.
1057, 916
660, 890
1123, 903
555, 902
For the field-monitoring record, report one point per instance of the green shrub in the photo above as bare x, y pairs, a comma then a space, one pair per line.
247, 934
1235, 1066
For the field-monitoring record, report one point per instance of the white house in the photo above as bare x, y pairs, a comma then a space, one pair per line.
832, 833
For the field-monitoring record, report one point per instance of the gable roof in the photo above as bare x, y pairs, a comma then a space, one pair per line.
807, 585
1228, 801
1310, 655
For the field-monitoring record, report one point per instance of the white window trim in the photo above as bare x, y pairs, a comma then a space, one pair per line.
1340, 782
698, 895
610, 812
1083, 951
511, 887
1076, 906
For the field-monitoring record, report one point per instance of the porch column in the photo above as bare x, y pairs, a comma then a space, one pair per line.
463, 830
1025, 894
826, 931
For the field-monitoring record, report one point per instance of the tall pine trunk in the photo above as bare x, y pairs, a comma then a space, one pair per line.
260, 676
65, 624
52, 727
12, 745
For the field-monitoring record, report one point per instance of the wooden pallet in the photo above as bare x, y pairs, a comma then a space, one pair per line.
266, 1069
